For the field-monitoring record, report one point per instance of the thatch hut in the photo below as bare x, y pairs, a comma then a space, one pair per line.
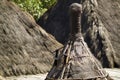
75, 61
25, 48
100, 27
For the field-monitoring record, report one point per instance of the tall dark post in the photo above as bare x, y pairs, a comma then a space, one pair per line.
75, 19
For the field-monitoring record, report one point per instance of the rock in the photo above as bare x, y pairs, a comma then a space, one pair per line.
25, 48
100, 27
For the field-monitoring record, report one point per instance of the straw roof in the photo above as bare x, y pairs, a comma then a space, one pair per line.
75, 61
25, 48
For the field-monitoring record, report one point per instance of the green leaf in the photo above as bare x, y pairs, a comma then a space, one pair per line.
35, 7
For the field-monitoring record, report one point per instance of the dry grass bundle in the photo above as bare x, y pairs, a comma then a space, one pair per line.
75, 61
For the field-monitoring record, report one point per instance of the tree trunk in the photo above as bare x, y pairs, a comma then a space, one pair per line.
25, 48
100, 27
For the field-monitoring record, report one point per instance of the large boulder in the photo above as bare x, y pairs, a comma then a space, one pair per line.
25, 48
100, 27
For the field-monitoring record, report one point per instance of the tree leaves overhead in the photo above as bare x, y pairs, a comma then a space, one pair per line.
35, 7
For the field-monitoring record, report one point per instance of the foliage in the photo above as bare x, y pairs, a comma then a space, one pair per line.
47, 3
35, 7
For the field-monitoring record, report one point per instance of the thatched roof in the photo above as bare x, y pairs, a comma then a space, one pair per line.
25, 48
100, 27
76, 61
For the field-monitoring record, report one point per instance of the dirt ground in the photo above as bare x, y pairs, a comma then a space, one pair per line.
114, 73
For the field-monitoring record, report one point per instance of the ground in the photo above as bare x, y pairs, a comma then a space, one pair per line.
114, 73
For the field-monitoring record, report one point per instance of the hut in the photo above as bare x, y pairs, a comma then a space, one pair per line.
25, 48
75, 61
100, 27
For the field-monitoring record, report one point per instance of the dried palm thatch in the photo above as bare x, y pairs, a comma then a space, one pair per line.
75, 61
100, 29
25, 48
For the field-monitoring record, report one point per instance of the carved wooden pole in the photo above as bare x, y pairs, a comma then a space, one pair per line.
75, 19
